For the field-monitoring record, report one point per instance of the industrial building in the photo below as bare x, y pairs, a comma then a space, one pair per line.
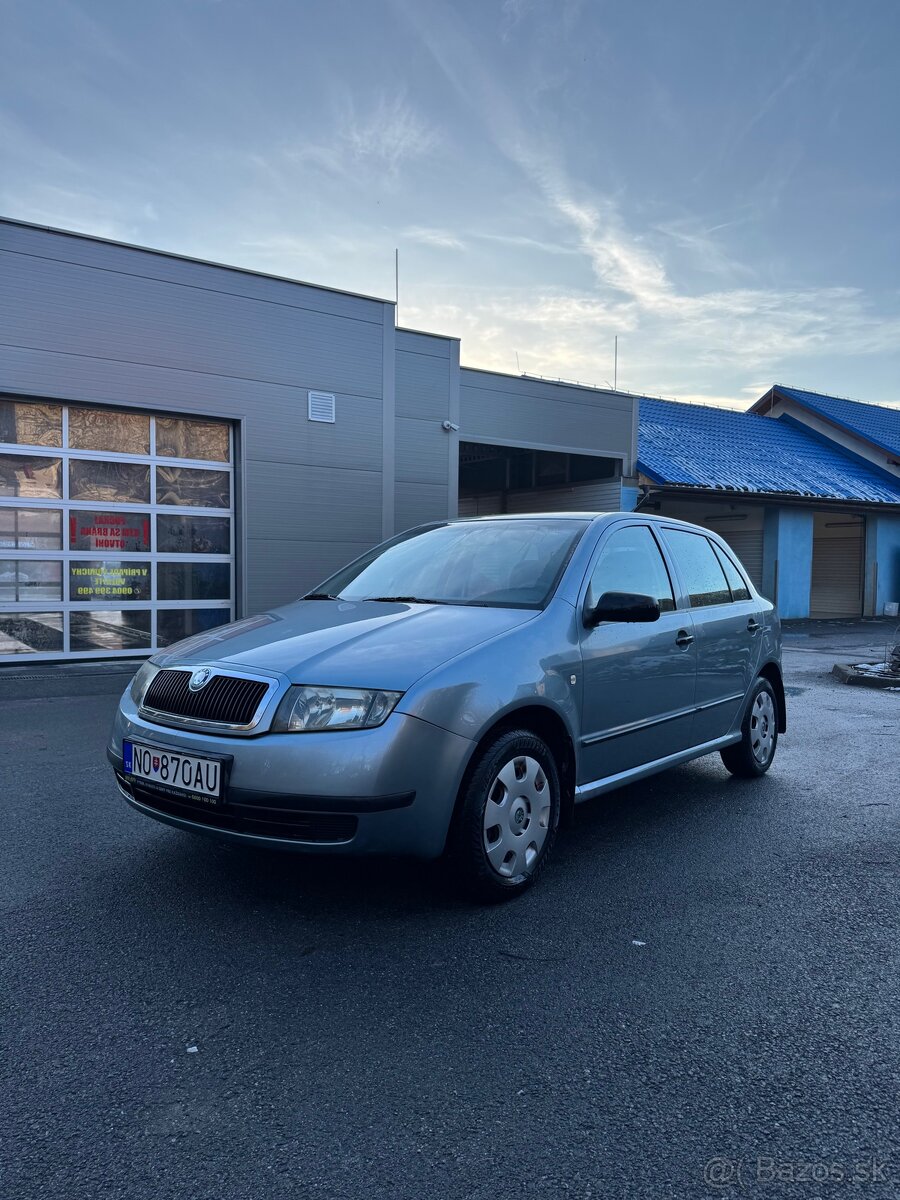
183, 443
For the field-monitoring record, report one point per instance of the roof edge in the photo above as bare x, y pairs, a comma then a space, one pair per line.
786, 393
204, 262
747, 496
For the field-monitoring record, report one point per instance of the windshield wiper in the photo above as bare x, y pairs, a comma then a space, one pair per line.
399, 600
319, 596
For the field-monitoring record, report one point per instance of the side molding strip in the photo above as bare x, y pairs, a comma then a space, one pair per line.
587, 791
591, 739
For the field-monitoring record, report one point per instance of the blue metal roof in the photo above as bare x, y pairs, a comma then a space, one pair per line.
874, 422
694, 445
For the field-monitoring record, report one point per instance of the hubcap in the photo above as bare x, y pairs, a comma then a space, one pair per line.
517, 817
762, 727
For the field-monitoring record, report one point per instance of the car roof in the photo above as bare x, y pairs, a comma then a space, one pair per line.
648, 518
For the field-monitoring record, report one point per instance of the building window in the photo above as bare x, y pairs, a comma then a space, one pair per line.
30, 529
30, 579
31, 475
114, 432
109, 482
29, 424
107, 545
204, 441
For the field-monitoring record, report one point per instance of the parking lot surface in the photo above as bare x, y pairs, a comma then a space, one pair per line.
700, 997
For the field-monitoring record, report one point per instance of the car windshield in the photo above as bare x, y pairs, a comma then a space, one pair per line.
501, 564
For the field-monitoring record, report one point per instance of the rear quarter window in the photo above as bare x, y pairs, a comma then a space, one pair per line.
736, 581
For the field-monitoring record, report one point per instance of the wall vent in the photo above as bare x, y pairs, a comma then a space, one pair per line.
321, 406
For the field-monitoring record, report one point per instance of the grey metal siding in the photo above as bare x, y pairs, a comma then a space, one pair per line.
517, 409
423, 384
421, 452
425, 368
105, 314
289, 568
89, 321
152, 264
419, 341
418, 503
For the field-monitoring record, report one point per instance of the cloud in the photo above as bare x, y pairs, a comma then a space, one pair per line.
440, 238
67, 208
389, 133
513, 12
526, 243
696, 242
382, 135
732, 327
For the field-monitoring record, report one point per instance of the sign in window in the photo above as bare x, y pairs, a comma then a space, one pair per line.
99, 581
128, 532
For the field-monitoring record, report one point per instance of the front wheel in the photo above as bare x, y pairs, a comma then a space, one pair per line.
507, 819
752, 755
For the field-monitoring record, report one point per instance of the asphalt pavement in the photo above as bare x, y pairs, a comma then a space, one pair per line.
700, 998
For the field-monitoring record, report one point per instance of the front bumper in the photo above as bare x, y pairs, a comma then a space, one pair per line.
389, 790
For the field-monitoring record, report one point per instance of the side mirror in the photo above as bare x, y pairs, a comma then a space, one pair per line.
622, 606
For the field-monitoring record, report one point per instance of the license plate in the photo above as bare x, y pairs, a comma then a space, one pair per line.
174, 772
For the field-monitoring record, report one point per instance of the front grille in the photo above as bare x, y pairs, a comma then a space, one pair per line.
246, 818
226, 699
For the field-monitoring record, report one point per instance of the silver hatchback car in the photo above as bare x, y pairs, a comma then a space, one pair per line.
457, 690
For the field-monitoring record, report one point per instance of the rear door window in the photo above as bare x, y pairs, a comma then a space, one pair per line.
700, 568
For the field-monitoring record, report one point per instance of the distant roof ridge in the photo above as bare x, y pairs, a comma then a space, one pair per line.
890, 405
705, 405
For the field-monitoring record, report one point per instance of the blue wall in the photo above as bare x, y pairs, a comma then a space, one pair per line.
883, 547
787, 558
630, 497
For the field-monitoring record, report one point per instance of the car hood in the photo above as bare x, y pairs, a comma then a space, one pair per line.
348, 643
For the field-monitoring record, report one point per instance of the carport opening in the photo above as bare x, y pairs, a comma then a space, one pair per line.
500, 479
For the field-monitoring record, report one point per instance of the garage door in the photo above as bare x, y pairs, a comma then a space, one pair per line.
748, 546
116, 530
837, 566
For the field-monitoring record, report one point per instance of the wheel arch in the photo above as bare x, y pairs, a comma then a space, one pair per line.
547, 724
772, 672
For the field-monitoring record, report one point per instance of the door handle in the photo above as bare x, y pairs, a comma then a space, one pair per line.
753, 626
684, 638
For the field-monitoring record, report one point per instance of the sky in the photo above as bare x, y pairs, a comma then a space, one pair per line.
714, 182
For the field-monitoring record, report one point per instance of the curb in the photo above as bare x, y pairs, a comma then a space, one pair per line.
846, 673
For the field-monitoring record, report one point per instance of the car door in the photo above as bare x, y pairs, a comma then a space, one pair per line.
726, 626
638, 692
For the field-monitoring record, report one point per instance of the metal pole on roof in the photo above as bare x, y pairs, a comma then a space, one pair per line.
397, 285
616, 364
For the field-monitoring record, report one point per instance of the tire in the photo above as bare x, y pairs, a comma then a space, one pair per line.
507, 818
752, 756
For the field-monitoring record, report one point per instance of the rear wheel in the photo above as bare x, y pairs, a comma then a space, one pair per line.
507, 819
752, 755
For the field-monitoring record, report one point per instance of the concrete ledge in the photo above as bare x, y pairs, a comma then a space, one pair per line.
44, 680
847, 673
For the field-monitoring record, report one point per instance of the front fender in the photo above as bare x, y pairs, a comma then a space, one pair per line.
535, 664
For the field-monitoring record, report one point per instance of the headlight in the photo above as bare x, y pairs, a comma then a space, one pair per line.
312, 709
142, 681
